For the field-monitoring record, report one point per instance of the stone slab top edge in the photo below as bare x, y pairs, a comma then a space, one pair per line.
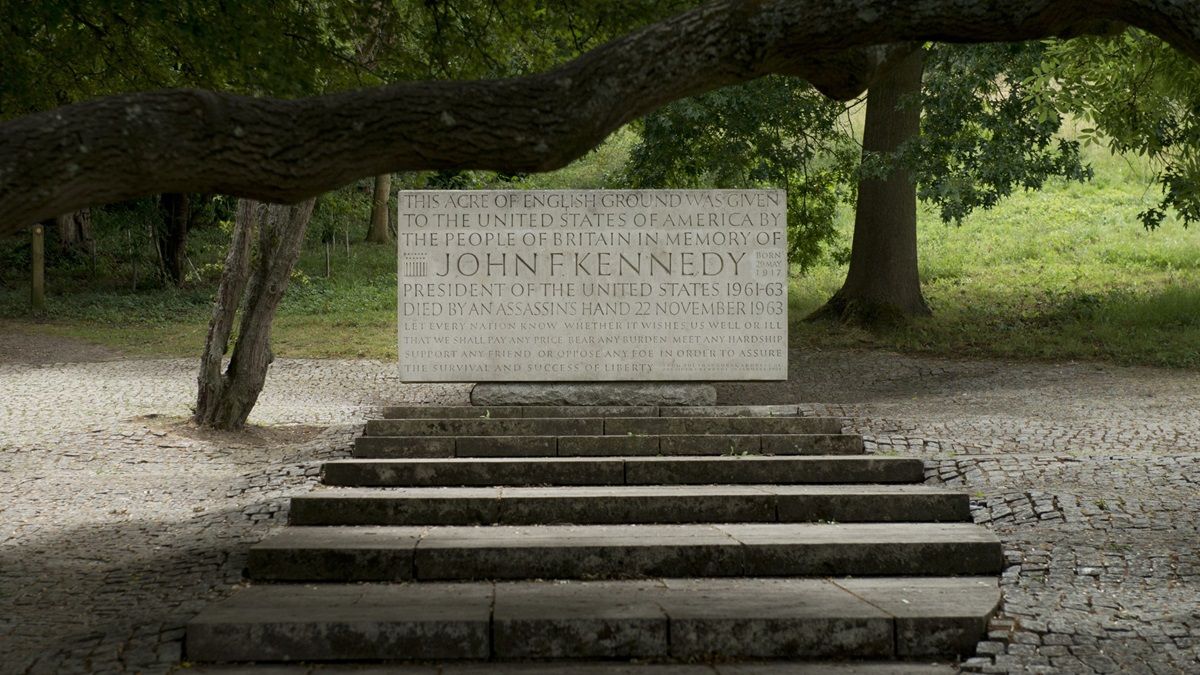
593, 393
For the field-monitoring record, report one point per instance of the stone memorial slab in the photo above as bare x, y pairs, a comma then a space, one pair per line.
592, 285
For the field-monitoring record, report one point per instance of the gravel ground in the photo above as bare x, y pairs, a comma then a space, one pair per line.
118, 522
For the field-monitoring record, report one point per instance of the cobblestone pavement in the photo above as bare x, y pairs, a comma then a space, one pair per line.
117, 523
1090, 475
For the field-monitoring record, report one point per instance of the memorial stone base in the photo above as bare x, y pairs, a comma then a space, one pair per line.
594, 393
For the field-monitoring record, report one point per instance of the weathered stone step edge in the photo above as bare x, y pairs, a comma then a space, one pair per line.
380, 447
517, 411
750, 469
682, 619
923, 667
685, 619
602, 426
622, 504
624, 551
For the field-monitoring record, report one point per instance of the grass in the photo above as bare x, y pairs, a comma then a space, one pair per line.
1063, 273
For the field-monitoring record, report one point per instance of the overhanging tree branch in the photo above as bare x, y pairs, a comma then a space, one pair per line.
127, 146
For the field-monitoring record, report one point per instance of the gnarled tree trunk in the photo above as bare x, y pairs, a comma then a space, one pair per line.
257, 283
379, 232
882, 283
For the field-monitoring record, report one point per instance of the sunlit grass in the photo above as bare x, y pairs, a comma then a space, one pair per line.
1064, 273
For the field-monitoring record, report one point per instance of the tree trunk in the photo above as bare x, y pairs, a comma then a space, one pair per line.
882, 284
224, 400
74, 231
379, 232
171, 234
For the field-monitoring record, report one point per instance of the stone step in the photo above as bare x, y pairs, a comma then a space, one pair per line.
615, 667
377, 447
624, 551
631, 504
515, 411
602, 426
660, 619
740, 469
508, 411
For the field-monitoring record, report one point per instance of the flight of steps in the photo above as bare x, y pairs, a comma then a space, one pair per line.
595, 533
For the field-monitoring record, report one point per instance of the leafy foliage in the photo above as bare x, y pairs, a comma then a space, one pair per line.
982, 138
773, 132
981, 133
1143, 97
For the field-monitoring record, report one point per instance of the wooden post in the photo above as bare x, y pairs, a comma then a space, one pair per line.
328, 269
38, 263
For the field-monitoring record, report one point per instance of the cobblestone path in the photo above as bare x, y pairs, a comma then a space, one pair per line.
117, 523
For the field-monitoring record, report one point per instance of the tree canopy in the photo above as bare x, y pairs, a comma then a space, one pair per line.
122, 146
1142, 97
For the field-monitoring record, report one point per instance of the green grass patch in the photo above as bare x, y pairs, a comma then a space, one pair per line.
1064, 273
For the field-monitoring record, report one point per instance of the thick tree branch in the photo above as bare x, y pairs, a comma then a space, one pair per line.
195, 141
846, 75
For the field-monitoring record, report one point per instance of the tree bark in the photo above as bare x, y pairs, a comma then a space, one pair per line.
172, 233
74, 231
224, 400
379, 232
229, 297
882, 284
126, 146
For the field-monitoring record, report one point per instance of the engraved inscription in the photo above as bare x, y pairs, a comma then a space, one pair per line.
592, 285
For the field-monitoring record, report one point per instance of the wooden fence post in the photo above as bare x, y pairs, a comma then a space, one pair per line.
38, 264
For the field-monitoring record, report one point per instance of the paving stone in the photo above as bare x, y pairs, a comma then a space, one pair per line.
866, 549
552, 426
687, 619
372, 447
836, 668
772, 618
576, 667
580, 668
730, 411
712, 444
623, 551
575, 552
812, 444
532, 506
723, 425
402, 506
341, 554
934, 617
609, 620
869, 503
506, 446
339, 622
774, 469
481, 471
629, 504
475, 411
601, 446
